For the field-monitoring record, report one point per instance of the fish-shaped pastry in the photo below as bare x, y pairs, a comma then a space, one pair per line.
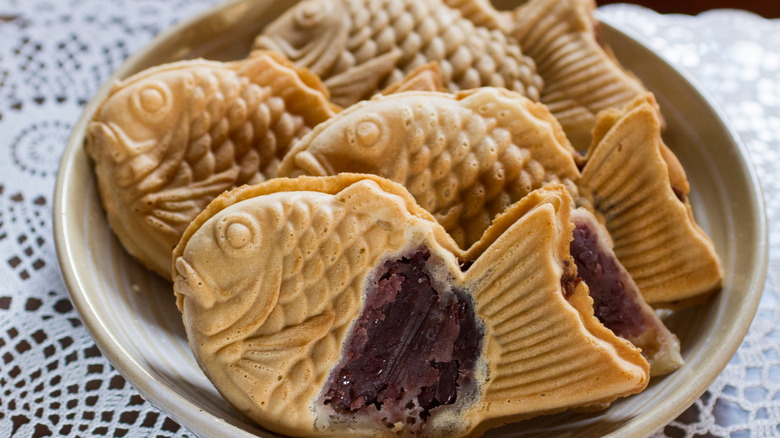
465, 157
581, 77
168, 140
336, 306
487, 149
641, 188
359, 47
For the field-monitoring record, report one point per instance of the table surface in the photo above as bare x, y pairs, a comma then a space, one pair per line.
54, 54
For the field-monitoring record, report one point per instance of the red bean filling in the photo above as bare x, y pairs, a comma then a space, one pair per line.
613, 303
410, 350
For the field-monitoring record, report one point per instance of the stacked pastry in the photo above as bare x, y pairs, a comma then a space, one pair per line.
435, 260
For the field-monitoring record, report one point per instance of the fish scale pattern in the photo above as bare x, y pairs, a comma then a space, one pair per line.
244, 125
468, 173
321, 250
733, 54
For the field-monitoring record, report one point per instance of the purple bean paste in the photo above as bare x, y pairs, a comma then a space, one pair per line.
614, 296
411, 350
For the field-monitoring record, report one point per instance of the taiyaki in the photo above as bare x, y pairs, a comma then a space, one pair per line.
641, 188
336, 306
464, 157
168, 140
359, 47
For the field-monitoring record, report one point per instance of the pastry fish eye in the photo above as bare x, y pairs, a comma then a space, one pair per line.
151, 100
238, 234
310, 13
366, 133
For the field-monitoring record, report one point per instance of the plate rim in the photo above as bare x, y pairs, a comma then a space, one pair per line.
192, 417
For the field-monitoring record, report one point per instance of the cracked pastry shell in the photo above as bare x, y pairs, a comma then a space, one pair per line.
270, 277
464, 157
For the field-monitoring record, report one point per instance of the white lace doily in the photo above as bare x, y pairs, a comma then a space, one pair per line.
54, 54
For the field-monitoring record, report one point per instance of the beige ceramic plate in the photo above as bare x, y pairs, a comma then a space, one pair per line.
131, 313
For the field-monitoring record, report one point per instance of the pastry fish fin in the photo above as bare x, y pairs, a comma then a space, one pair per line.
649, 217
362, 81
531, 124
611, 287
481, 13
426, 77
547, 352
581, 77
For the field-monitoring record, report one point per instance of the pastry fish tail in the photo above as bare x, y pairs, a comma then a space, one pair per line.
547, 352
642, 191
581, 77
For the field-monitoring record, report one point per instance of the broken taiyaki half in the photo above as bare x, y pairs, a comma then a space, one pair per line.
617, 302
464, 157
581, 77
359, 47
169, 139
641, 189
426, 77
337, 306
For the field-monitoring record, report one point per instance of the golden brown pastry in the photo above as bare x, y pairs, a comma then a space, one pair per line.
426, 77
168, 140
337, 306
641, 189
547, 50
465, 158
359, 47
580, 76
